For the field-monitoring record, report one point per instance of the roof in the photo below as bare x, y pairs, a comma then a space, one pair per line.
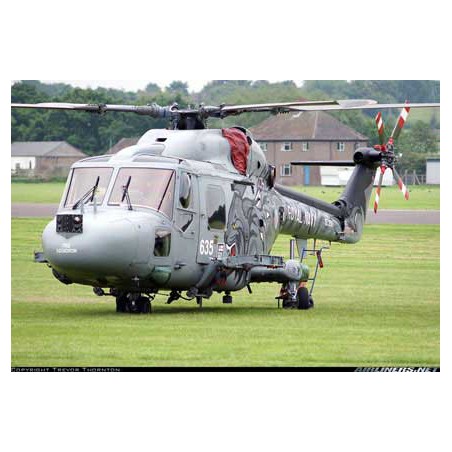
305, 126
44, 149
122, 144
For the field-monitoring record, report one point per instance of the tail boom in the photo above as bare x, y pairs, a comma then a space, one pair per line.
305, 217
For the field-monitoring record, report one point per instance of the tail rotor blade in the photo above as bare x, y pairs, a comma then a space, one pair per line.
381, 128
400, 122
401, 185
378, 191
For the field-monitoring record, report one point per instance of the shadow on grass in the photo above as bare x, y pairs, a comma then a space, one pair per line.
162, 310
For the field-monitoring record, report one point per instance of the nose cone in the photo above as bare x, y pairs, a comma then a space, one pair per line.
110, 248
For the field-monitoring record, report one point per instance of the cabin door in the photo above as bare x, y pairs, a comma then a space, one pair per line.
187, 216
212, 223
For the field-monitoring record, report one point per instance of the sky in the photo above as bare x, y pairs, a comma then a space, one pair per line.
135, 85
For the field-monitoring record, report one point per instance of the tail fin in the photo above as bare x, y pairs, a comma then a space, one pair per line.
354, 201
358, 190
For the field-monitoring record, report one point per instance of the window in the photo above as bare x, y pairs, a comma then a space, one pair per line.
185, 190
83, 180
162, 245
216, 207
305, 146
286, 170
148, 187
286, 147
340, 147
264, 146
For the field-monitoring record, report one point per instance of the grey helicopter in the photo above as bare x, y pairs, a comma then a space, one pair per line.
189, 211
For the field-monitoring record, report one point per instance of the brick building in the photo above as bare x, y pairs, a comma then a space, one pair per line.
43, 158
305, 136
122, 144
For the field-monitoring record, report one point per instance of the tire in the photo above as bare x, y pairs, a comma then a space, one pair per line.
304, 300
144, 305
121, 303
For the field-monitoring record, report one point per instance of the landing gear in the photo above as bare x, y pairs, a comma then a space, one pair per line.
121, 302
132, 303
304, 299
227, 298
144, 305
296, 295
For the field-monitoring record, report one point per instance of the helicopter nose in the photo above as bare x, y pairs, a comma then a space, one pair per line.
104, 248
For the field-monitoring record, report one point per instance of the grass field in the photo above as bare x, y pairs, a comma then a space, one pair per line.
41, 193
375, 306
422, 197
424, 114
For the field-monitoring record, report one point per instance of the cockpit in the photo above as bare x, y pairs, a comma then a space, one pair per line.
136, 187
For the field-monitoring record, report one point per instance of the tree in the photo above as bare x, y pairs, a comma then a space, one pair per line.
177, 87
153, 89
419, 138
414, 145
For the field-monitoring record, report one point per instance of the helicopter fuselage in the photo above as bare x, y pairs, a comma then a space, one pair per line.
161, 213
197, 210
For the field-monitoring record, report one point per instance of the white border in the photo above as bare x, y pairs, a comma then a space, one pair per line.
289, 40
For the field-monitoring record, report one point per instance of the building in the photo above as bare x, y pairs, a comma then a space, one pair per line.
122, 144
306, 136
433, 171
43, 158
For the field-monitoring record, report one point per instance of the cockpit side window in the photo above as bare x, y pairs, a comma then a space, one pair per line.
216, 207
185, 190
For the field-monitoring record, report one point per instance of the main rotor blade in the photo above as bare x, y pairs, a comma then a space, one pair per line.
299, 106
362, 107
344, 163
173, 112
148, 110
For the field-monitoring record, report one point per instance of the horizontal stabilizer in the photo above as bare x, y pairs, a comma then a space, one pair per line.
324, 163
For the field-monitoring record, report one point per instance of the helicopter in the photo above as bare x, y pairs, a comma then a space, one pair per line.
190, 211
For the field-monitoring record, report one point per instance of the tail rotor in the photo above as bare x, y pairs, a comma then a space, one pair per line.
388, 158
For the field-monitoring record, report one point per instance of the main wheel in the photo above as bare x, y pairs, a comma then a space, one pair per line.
143, 305
121, 303
304, 300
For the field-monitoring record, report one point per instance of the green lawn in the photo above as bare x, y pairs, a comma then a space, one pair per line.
422, 197
424, 114
41, 192
375, 305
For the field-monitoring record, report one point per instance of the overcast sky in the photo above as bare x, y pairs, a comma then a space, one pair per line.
134, 85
